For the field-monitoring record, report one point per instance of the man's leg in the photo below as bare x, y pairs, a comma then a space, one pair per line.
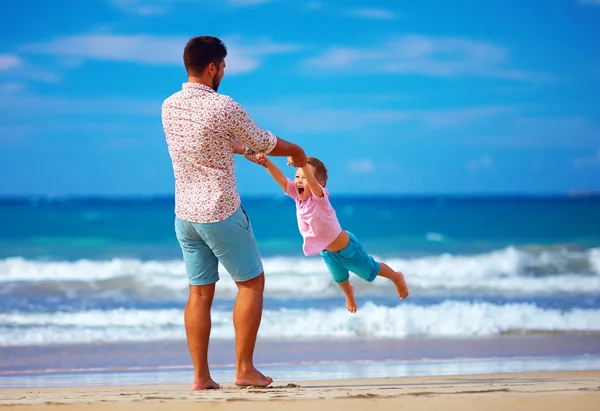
232, 241
197, 328
202, 269
247, 314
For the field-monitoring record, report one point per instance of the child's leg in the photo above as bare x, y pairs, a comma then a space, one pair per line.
396, 277
348, 289
342, 278
362, 264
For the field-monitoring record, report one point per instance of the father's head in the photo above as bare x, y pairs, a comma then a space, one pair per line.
204, 59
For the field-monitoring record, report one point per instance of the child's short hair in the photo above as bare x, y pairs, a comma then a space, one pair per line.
319, 167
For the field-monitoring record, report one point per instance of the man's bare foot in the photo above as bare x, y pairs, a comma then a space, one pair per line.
401, 286
351, 301
252, 378
205, 385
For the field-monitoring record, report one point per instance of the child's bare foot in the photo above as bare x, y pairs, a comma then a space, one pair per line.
401, 286
351, 301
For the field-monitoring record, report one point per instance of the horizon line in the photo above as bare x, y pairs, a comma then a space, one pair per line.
113, 197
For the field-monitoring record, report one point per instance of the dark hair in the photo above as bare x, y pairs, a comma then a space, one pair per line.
200, 51
319, 167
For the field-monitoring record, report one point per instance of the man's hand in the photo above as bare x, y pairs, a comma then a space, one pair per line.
258, 158
286, 149
238, 147
298, 159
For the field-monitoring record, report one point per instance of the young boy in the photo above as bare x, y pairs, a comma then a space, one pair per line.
322, 234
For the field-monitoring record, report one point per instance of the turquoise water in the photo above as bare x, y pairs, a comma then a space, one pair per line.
97, 271
138, 228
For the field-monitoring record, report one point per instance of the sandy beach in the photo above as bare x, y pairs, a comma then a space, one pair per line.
579, 390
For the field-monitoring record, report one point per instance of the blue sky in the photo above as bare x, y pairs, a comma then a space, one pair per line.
396, 97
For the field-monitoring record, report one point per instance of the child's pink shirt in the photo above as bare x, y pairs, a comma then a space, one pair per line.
317, 220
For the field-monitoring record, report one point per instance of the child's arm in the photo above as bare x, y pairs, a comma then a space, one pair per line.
263, 160
276, 173
314, 185
273, 170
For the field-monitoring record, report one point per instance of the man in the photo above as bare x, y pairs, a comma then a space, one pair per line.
203, 131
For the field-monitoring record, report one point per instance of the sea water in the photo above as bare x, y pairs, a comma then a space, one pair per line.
83, 271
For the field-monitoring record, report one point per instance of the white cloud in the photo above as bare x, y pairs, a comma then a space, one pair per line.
315, 5
573, 133
361, 166
157, 50
13, 66
484, 162
109, 136
153, 7
242, 3
434, 56
37, 74
11, 87
587, 162
377, 14
21, 105
456, 117
150, 10
81, 127
293, 118
131, 48
9, 62
141, 7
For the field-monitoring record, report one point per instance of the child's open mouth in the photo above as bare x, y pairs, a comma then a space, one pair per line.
300, 190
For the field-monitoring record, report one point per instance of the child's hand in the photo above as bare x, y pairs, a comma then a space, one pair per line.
258, 158
261, 159
297, 161
290, 162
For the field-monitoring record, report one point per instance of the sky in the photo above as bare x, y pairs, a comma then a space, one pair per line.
397, 97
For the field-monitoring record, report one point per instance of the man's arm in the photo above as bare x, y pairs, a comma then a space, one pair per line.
314, 185
286, 149
244, 129
238, 147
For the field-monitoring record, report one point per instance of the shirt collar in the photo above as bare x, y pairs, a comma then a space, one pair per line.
198, 86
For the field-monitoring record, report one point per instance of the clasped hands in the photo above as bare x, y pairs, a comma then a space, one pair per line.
261, 159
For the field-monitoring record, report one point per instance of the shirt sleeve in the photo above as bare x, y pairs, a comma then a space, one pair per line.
324, 199
290, 189
243, 128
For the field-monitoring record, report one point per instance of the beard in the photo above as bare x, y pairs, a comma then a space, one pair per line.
215, 83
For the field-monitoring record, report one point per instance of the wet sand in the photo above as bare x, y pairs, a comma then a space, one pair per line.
222, 352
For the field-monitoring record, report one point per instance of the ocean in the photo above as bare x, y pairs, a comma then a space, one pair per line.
90, 284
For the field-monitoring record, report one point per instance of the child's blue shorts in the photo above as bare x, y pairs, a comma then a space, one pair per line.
352, 258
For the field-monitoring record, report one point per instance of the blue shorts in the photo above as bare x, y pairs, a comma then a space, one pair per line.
352, 258
230, 242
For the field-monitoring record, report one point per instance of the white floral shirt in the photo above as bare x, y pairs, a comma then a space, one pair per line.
200, 126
